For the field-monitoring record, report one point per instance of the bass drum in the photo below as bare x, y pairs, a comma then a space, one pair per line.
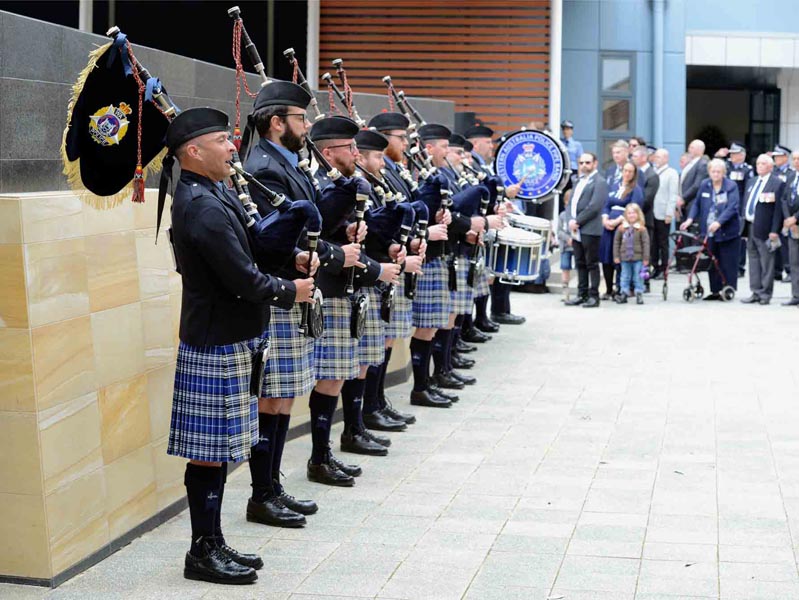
536, 160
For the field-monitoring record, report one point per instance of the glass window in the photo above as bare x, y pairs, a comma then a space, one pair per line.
616, 74
616, 115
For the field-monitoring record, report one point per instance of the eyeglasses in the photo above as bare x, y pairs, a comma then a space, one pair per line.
303, 115
352, 146
586, 162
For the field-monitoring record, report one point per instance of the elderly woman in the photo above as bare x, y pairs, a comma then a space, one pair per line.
612, 216
716, 211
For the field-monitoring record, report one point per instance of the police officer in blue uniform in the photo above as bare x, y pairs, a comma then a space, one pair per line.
782, 169
573, 147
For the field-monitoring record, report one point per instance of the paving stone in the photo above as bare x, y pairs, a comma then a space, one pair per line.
597, 574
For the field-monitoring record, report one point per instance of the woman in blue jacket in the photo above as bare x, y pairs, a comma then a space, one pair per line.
612, 216
716, 211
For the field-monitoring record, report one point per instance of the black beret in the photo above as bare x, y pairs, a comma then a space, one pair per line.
468, 146
389, 121
457, 140
192, 123
478, 131
371, 140
282, 93
334, 128
434, 132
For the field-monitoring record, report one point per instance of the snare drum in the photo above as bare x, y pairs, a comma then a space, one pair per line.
515, 255
534, 225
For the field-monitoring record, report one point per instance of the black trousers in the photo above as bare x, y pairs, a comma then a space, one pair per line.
586, 258
660, 246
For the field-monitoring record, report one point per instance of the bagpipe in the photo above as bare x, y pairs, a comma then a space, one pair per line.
299, 78
272, 236
346, 96
422, 219
106, 149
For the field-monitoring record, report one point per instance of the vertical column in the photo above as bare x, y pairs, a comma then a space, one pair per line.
658, 8
312, 60
85, 13
555, 61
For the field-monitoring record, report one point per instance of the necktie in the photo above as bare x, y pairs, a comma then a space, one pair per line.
750, 206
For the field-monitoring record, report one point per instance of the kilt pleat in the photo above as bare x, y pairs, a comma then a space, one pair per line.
463, 297
372, 345
214, 416
481, 287
335, 352
401, 325
289, 371
431, 306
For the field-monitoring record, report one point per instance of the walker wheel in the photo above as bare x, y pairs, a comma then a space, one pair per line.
699, 291
688, 295
727, 293
665, 291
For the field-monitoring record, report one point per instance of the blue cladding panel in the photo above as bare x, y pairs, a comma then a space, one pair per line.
643, 95
674, 99
580, 83
581, 25
776, 16
625, 26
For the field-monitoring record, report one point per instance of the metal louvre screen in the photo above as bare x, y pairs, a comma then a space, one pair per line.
489, 57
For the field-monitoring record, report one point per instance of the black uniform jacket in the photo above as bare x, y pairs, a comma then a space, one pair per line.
272, 169
225, 296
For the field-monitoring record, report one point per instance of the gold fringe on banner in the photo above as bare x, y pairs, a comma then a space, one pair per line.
72, 168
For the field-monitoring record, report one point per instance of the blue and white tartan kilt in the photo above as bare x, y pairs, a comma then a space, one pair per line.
481, 286
289, 371
431, 306
214, 416
372, 345
401, 325
335, 353
463, 297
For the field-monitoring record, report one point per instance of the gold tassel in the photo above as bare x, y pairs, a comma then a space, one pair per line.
72, 168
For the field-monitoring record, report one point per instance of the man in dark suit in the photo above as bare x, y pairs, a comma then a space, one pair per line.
620, 151
651, 184
692, 175
586, 204
762, 223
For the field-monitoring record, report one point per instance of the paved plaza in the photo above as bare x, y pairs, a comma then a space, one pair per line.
647, 452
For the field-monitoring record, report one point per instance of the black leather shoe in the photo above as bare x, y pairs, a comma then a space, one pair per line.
712, 297
508, 319
764, 301
591, 303
461, 362
425, 399
750, 300
379, 421
447, 382
475, 336
329, 475
620, 299
463, 378
304, 507
273, 512
393, 413
215, 566
791, 302
378, 439
463, 348
432, 388
357, 443
245, 560
576, 301
351, 470
487, 326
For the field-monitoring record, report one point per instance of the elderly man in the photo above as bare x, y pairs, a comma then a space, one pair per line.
762, 222
620, 151
692, 175
663, 210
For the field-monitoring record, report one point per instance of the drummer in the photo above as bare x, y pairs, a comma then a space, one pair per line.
627, 191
